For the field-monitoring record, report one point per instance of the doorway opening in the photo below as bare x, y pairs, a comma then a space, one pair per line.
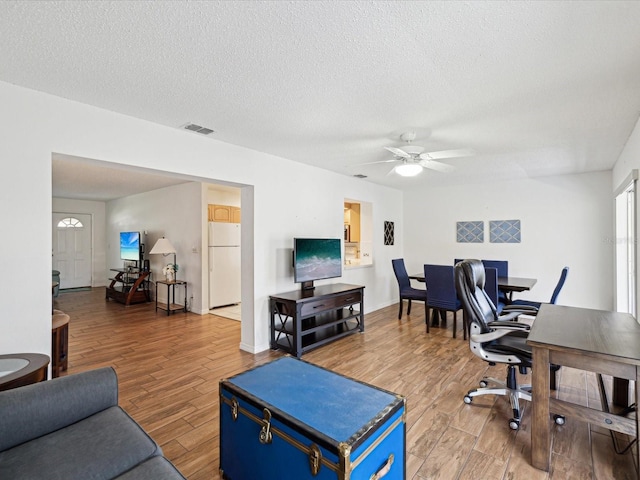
625, 247
173, 221
224, 211
358, 233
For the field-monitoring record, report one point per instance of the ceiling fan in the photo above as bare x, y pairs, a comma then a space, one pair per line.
413, 158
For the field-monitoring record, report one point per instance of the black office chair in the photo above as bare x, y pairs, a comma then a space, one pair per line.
493, 338
554, 296
407, 292
491, 289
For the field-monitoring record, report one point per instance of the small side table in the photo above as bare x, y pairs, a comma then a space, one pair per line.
171, 306
19, 369
59, 343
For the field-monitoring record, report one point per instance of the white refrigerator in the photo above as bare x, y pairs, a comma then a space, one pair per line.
224, 264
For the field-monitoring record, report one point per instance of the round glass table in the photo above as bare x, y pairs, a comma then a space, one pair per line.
19, 369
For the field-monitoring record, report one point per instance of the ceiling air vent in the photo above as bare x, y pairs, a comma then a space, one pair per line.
197, 128
360, 175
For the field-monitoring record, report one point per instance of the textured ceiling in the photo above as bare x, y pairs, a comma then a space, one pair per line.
535, 88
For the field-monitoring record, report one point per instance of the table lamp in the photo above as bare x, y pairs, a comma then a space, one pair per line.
164, 247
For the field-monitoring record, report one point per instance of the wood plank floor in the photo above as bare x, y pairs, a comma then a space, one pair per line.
169, 369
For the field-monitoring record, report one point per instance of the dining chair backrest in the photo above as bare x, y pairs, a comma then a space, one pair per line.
561, 280
491, 285
501, 265
441, 287
401, 273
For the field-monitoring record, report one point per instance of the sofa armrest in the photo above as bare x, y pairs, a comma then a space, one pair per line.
35, 410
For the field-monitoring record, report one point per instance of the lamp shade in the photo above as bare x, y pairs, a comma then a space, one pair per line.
163, 246
408, 169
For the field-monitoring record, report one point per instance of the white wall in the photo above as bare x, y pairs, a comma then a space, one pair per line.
98, 253
566, 220
629, 158
223, 195
286, 199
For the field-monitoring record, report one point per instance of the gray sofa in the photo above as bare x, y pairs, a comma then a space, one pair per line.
72, 428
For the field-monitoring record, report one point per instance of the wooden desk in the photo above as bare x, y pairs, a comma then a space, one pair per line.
593, 340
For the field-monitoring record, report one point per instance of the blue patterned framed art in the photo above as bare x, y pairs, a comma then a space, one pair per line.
504, 231
470, 232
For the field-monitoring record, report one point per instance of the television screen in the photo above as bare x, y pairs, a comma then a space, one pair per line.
316, 258
130, 246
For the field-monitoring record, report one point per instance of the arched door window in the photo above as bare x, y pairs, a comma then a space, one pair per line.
70, 222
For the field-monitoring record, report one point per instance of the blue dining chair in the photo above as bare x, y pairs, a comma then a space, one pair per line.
491, 287
441, 293
554, 295
502, 266
407, 292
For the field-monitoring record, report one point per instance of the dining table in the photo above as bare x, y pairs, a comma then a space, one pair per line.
515, 284
506, 284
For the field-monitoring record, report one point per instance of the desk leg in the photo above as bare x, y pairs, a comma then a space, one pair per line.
620, 392
540, 428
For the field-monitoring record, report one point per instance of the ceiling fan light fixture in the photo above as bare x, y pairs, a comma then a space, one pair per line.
408, 169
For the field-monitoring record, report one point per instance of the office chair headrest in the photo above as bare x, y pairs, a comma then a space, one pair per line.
474, 275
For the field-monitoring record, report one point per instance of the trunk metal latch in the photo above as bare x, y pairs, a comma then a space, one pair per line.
265, 432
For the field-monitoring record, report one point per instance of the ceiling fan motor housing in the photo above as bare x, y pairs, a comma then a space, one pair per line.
413, 150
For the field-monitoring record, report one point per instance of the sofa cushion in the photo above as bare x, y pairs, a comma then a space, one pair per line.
101, 446
34, 410
155, 468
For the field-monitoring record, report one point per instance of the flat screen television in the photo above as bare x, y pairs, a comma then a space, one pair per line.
316, 259
130, 246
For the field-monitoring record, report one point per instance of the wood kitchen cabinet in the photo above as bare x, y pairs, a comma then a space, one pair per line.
224, 213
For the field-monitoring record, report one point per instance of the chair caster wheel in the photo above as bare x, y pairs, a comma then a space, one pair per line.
483, 384
559, 419
467, 399
514, 424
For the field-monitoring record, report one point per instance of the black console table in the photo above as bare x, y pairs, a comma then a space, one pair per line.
305, 319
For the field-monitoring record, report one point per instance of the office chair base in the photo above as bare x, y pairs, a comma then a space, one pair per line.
523, 392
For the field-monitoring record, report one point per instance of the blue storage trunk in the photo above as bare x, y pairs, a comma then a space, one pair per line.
292, 420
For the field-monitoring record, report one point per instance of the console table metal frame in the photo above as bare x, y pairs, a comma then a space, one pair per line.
305, 319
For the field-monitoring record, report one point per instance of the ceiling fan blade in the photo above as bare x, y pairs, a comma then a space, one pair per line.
464, 152
380, 161
398, 152
437, 166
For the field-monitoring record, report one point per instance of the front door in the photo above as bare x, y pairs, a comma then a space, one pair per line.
72, 249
